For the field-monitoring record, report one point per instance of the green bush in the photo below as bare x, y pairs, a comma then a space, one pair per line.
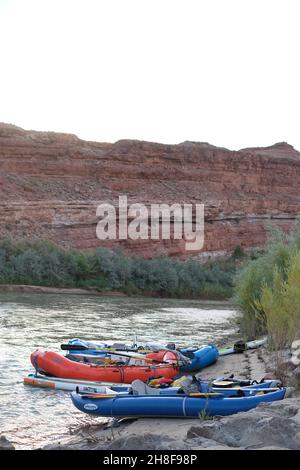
260, 277
238, 253
45, 264
281, 305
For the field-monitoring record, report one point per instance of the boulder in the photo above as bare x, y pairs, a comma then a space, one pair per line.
296, 373
272, 425
5, 444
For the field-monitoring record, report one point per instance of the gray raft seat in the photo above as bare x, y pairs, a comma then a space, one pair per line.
107, 391
188, 385
119, 346
140, 388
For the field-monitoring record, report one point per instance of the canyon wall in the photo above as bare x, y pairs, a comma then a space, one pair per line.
51, 185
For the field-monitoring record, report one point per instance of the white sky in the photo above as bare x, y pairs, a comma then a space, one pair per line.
221, 71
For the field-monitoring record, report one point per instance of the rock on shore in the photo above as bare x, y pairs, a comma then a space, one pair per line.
5, 444
269, 426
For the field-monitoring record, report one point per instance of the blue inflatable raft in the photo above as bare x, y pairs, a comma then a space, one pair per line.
196, 358
172, 406
200, 358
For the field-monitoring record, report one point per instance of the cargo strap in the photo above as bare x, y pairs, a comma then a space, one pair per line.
183, 406
35, 364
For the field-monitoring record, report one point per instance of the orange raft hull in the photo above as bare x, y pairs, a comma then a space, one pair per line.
54, 364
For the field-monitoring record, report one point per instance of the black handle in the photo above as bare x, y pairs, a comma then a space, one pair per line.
73, 347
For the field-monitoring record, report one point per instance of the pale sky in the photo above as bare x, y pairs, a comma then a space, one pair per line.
220, 71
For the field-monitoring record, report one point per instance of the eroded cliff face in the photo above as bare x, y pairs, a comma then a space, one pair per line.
51, 184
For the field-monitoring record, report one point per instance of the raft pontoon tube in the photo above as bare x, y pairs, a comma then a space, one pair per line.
176, 406
199, 358
52, 364
241, 346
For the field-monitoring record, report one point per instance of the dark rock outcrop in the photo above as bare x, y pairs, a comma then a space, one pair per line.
5, 444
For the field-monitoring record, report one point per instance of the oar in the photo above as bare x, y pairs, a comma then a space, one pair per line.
99, 396
114, 348
99, 359
191, 395
74, 347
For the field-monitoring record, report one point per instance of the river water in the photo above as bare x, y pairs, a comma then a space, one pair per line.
32, 417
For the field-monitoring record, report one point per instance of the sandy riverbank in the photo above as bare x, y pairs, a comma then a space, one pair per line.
26, 289
30, 289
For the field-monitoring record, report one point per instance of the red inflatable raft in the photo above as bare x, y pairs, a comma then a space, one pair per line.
53, 364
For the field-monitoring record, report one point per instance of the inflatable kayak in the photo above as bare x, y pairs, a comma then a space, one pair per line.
241, 346
86, 351
86, 386
175, 406
199, 358
92, 348
191, 359
53, 364
69, 385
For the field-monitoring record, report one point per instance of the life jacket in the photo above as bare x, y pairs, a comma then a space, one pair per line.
160, 382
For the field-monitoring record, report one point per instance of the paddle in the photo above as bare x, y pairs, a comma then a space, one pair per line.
74, 347
225, 383
82, 347
191, 395
99, 396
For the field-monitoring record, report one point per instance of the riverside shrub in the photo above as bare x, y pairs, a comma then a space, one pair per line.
265, 289
45, 264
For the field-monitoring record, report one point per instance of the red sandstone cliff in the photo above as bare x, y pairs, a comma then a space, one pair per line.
50, 185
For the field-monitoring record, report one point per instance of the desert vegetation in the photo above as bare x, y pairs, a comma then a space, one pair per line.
267, 290
45, 264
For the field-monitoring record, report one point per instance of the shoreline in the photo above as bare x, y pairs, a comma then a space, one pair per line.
259, 428
31, 289
273, 425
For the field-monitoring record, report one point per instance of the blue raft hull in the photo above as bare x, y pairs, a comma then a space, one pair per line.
200, 358
170, 406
